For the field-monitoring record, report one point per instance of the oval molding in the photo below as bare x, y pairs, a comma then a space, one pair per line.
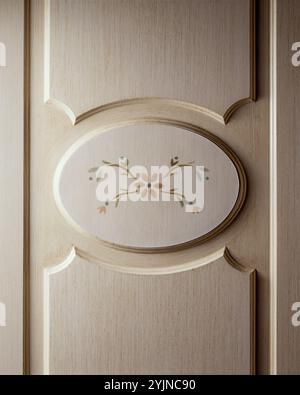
77, 208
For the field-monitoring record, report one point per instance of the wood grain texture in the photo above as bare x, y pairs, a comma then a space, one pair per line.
136, 325
197, 52
288, 137
51, 237
11, 196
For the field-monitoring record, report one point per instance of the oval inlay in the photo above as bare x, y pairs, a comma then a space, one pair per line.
157, 215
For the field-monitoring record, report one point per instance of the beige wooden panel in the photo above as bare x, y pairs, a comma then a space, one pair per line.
288, 128
194, 51
115, 323
52, 237
11, 179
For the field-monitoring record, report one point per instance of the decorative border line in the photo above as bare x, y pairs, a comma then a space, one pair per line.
224, 119
26, 191
75, 252
273, 187
189, 127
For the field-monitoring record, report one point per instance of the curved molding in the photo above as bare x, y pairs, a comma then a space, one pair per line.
172, 269
143, 100
64, 108
221, 118
199, 240
64, 264
195, 264
234, 107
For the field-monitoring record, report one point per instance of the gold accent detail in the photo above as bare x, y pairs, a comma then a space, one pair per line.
223, 119
189, 127
26, 191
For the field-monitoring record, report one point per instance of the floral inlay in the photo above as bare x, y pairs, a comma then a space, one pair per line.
147, 187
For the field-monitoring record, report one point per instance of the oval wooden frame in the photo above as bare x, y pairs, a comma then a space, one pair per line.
172, 248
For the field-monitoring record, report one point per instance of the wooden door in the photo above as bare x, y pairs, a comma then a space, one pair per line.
138, 289
142, 297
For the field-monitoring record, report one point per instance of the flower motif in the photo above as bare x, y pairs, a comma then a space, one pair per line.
196, 210
103, 209
148, 187
145, 187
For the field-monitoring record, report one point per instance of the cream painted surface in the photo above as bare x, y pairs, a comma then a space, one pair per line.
2, 55
52, 238
140, 48
11, 180
2, 315
148, 224
136, 324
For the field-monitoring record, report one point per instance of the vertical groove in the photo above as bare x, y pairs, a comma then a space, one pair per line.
47, 8
253, 96
273, 187
253, 64
253, 323
26, 192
